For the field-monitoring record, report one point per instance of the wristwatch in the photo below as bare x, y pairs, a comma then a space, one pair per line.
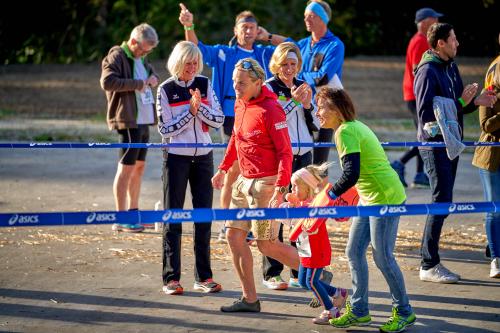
282, 189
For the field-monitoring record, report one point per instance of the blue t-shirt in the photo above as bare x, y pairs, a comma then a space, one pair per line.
222, 59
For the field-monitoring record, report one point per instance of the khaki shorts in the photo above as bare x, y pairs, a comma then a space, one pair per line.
254, 193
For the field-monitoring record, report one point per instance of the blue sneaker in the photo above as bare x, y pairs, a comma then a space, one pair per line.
421, 181
127, 227
250, 238
400, 170
294, 282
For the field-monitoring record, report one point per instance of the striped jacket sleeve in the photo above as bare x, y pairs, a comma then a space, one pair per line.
211, 113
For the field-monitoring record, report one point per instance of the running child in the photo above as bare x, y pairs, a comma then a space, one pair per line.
314, 246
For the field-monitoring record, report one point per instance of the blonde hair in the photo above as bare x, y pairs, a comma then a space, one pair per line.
182, 53
255, 72
318, 172
280, 55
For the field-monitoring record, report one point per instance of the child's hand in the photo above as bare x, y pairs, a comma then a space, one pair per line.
292, 199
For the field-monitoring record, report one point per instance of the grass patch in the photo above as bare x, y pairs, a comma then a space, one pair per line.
4, 113
98, 117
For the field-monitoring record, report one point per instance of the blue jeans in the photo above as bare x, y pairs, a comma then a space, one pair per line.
382, 233
491, 187
442, 172
309, 279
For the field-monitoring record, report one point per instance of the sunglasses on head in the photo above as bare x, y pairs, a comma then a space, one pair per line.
247, 65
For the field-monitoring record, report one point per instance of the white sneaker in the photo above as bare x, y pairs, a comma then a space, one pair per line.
495, 268
221, 239
447, 271
275, 283
438, 274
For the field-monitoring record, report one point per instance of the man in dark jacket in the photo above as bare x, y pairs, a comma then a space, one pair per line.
127, 79
438, 75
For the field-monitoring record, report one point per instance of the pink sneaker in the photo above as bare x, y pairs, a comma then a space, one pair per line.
326, 315
323, 318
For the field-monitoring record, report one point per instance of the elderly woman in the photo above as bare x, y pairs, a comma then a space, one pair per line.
487, 159
365, 165
295, 97
187, 107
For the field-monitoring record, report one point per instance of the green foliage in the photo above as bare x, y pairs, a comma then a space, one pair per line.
6, 113
66, 31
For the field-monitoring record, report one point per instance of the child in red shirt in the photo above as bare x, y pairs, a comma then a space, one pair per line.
314, 247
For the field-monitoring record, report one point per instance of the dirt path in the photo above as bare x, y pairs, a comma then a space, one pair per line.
89, 279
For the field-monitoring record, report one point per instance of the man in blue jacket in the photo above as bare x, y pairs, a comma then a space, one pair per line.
222, 59
438, 75
322, 60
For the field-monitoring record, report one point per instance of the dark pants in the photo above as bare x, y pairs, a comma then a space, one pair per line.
321, 154
442, 173
178, 170
412, 106
272, 267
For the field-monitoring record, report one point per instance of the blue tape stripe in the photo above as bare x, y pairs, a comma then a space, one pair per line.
208, 215
100, 145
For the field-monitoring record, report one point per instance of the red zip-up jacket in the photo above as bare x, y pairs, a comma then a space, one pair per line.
260, 140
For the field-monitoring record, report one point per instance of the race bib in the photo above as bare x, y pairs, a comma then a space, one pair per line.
147, 96
303, 245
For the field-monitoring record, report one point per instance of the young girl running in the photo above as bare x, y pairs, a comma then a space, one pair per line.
314, 246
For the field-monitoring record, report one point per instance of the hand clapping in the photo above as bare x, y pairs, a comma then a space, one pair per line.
303, 95
195, 101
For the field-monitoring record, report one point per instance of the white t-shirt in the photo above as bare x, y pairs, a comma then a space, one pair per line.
145, 100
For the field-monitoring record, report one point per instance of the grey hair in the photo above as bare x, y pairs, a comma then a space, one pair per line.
145, 33
182, 53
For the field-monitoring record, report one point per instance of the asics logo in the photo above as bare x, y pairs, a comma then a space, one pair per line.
313, 212
392, 210
101, 217
322, 211
91, 144
23, 219
33, 144
461, 208
182, 216
250, 213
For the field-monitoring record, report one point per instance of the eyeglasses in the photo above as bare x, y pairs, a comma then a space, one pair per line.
247, 65
143, 50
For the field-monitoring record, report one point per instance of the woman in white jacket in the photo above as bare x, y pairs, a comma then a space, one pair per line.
295, 97
187, 107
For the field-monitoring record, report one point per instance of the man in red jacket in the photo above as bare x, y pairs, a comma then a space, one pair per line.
261, 144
